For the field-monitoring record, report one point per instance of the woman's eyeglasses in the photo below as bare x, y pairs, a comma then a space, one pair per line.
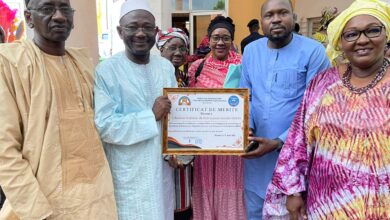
216, 38
371, 32
173, 49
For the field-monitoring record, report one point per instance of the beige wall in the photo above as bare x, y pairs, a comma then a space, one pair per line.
306, 9
242, 11
202, 23
84, 33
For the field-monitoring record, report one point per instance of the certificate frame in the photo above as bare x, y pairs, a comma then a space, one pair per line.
242, 138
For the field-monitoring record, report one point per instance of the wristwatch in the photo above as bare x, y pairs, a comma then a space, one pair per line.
280, 144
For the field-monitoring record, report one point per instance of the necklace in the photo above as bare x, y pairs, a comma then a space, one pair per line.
348, 73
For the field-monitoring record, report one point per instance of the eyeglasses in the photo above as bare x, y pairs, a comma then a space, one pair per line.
135, 29
371, 32
50, 10
173, 49
216, 38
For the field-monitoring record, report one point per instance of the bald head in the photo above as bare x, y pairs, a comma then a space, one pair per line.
266, 3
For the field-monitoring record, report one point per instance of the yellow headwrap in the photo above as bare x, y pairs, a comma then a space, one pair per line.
376, 8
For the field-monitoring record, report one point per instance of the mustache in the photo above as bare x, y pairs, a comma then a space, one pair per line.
277, 27
59, 26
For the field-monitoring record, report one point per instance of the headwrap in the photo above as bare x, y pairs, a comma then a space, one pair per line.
320, 37
252, 23
327, 15
163, 37
132, 5
221, 22
375, 8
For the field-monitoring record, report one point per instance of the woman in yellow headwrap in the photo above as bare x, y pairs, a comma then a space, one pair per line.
335, 163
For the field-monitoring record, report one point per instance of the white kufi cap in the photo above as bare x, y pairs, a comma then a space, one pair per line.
132, 5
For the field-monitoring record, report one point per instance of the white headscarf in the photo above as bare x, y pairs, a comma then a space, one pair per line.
132, 5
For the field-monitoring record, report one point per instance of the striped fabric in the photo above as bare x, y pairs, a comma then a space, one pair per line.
183, 177
338, 152
214, 71
183, 185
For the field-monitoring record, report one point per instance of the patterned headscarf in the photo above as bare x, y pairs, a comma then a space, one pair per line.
327, 15
164, 36
375, 8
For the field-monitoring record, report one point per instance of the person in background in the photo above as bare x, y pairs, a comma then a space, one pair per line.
327, 15
218, 187
335, 162
201, 51
276, 69
52, 160
297, 28
173, 44
2, 35
387, 52
2, 40
129, 107
253, 27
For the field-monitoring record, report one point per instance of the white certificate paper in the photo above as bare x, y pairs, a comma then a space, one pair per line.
206, 121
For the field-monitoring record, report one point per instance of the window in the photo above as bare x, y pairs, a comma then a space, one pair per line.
180, 5
313, 25
209, 5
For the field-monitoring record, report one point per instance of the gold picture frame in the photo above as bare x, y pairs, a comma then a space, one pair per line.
206, 121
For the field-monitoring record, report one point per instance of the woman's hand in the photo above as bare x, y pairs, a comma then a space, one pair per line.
296, 207
174, 162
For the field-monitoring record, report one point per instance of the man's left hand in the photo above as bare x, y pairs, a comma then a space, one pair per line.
265, 146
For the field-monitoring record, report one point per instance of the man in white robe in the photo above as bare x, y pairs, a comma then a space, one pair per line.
129, 107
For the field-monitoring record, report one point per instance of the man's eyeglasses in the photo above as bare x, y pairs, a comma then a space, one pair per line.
371, 32
135, 29
50, 11
173, 49
216, 38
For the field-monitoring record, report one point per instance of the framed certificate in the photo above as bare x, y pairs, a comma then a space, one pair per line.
206, 121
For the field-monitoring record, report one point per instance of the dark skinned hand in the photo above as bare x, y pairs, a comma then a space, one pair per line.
296, 207
161, 107
265, 146
175, 163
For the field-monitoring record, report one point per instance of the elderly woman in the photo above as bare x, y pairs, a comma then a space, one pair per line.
173, 45
218, 185
336, 160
